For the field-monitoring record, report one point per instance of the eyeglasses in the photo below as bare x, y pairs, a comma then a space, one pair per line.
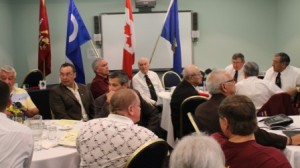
230, 81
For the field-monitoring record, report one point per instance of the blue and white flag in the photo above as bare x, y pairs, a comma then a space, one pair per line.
77, 35
171, 33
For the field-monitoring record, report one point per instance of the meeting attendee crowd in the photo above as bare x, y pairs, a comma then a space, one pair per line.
121, 115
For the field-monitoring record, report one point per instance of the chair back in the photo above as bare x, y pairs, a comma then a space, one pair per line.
170, 79
149, 155
188, 105
280, 103
33, 78
193, 122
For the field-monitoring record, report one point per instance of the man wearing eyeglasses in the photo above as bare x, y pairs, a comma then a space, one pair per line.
236, 68
71, 100
192, 77
285, 76
220, 85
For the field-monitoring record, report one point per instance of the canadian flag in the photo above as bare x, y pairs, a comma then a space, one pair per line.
129, 44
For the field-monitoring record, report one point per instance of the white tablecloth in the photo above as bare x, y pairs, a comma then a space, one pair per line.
291, 152
164, 98
57, 157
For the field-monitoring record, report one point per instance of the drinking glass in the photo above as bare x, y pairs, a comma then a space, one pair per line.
36, 125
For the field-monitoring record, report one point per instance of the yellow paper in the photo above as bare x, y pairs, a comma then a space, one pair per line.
65, 122
69, 138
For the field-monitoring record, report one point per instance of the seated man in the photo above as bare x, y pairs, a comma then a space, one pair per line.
236, 68
237, 116
118, 80
187, 87
259, 91
147, 82
99, 85
197, 151
109, 142
16, 147
284, 75
220, 85
71, 100
8, 75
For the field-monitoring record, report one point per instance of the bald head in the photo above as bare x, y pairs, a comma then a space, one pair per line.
192, 74
143, 65
125, 102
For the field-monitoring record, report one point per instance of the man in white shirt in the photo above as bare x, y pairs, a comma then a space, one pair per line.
283, 74
259, 91
16, 147
8, 75
110, 141
236, 68
139, 82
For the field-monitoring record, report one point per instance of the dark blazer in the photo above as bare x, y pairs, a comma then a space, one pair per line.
64, 104
207, 117
183, 90
149, 114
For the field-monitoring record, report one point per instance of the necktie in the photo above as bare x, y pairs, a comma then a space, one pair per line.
235, 76
278, 80
151, 88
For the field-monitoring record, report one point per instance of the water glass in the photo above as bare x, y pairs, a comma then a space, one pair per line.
36, 125
52, 132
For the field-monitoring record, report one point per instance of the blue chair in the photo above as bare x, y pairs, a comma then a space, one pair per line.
170, 79
33, 78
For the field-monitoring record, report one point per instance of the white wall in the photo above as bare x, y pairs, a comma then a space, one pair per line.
257, 28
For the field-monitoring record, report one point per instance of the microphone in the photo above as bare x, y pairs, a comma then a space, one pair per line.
18, 105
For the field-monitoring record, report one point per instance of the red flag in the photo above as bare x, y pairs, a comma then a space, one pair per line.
44, 62
128, 51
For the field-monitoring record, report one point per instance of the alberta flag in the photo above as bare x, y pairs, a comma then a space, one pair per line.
171, 33
77, 35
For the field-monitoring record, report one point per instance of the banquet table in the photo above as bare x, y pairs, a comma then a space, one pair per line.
59, 156
164, 98
291, 152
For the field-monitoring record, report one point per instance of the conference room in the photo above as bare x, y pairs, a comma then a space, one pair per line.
256, 28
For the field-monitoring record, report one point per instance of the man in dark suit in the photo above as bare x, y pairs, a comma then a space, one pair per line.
220, 84
71, 100
118, 80
192, 77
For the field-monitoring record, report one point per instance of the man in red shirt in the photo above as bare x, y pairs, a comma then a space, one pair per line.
237, 117
99, 85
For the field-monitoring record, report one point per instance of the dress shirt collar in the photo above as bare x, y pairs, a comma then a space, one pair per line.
119, 118
2, 115
71, 89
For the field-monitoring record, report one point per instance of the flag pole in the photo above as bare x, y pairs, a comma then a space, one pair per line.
95, 49
172, 1
44, 69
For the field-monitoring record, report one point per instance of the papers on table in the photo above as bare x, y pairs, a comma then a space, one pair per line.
69, 138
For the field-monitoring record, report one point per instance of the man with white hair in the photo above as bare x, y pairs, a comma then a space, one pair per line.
8, 75
192, 77
197, 151
147, 82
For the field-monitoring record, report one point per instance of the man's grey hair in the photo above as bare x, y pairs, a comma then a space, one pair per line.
95, 63
197, 151
251, 69
8, 68
214, 80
